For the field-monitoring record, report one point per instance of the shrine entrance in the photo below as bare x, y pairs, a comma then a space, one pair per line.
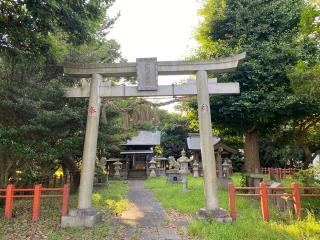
137, 162
146, 70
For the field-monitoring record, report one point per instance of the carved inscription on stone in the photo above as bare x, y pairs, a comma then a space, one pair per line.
147, 74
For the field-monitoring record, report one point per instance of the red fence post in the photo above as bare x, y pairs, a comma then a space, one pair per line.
65, 199
9, 201
264, 201
36, 202
296, 198
232, 201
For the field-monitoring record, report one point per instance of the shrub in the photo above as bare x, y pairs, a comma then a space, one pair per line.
96, 198
117, 206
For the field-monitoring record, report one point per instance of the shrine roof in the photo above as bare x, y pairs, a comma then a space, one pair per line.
149, 138
193, 141
124, 152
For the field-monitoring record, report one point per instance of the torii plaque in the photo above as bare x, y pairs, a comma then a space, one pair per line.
147, 70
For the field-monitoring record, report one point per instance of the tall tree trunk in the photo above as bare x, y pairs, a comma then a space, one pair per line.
306, 150
251, 152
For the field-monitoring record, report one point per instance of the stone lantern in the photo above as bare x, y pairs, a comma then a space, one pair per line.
195, 169
226, 169
103, 162
152, 167
183, 160
157, 159
117, 167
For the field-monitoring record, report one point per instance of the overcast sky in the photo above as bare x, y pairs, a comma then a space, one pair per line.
155, 28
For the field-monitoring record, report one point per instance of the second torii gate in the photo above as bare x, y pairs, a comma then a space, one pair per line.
146, 70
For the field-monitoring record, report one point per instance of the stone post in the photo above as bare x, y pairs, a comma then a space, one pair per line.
206, 143
90, 144
85, 215
195, 169
152, 167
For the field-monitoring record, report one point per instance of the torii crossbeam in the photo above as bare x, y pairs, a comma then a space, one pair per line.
146, 70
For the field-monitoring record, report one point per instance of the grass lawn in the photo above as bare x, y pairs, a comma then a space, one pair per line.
48, 226
249, 224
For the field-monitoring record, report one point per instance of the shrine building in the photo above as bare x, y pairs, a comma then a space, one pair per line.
222, 151
136, 154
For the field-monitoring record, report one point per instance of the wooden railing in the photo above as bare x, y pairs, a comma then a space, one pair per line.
38, 192
265, 192
54, 181
279, 172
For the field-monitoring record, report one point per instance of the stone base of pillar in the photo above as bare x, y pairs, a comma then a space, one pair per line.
219, 215
81, 218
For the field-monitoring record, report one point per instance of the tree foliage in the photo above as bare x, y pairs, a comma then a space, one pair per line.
270, 33
41, 130
175, 129
31, 27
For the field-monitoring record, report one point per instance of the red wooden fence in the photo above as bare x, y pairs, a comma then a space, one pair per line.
39, 192
279, 172
265, 192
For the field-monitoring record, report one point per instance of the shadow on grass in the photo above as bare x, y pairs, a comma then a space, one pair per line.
249, 224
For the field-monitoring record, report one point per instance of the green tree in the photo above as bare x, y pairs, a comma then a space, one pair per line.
267, 31
305, 81
32, 27
174, 129
39, 128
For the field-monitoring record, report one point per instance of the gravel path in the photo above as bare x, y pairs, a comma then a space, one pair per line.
146, 218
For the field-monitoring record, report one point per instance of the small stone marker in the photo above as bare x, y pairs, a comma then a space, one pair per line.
253, 180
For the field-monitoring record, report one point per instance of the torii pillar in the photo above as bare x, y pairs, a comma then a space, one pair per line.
147, 70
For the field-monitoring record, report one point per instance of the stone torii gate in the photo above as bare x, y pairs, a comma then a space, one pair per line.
146, 70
